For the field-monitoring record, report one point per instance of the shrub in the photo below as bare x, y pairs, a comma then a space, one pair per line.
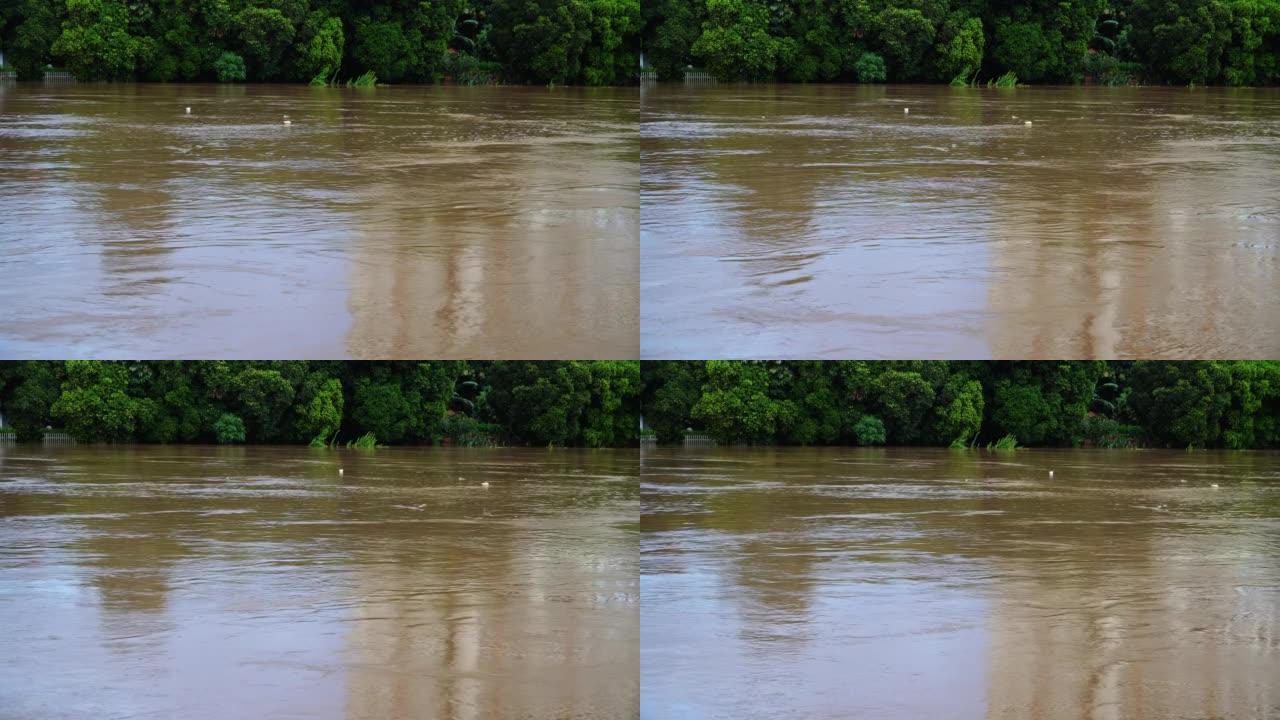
870, 68
869, 431
229, 429
466, 431
1107, 70
466, 69
1106, 432
229, 67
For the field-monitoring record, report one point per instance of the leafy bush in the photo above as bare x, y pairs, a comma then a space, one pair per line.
229, 67
229, 429
870, 68
869, 431
1106, 432
466, 69
464, 431
1107, 70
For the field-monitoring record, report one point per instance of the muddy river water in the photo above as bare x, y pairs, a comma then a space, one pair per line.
824, 221
937, 584
391, 223
210, 583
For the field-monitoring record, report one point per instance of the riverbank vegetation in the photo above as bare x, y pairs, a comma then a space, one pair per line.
586, 42
591, 404
1231, 42
967, 403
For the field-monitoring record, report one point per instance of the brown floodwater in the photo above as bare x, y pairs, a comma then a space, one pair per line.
399, 222
823, 221
191, 582
911, 583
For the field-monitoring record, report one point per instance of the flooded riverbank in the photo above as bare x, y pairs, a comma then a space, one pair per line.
824, 221
910, 583
436, 222
169, 581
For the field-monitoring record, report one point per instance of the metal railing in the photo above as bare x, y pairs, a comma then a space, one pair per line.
698, 440
691, 77
51, 437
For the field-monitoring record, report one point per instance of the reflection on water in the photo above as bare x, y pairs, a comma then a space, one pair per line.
406, 222
923, 583
784, 221
162, 582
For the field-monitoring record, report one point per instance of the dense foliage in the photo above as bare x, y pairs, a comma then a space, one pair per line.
963, 403
1234, 42
591, 42
323, 402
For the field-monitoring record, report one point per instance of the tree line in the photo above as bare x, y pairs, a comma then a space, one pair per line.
1200, 404
588, 42
1232, 42
593, 404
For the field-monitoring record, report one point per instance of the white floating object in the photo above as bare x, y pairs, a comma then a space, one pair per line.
188, 109
1026, 122
1214, 485
339, 471
1050, 473
290, 122
484, 484
906, 111
1015, 117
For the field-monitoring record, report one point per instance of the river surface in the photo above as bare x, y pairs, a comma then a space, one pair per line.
900, 584
190, 582
823, 221
399, 222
